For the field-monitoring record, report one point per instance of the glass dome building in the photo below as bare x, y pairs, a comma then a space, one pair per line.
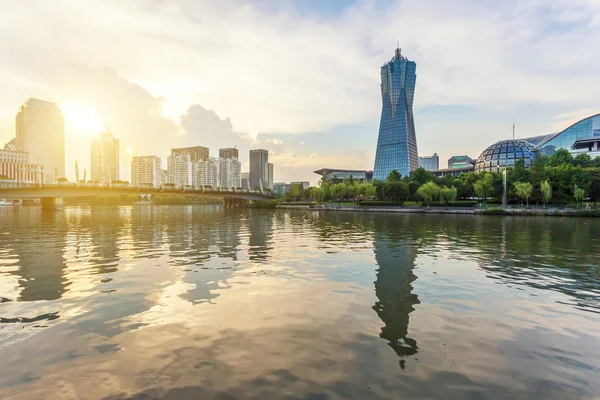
505, 153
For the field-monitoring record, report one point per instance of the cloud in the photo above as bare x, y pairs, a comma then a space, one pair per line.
563, 121
205, 128
276, 142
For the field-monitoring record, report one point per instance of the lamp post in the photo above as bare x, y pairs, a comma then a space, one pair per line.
505, 187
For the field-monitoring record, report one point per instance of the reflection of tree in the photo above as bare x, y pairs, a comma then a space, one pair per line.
393, 288
40, 248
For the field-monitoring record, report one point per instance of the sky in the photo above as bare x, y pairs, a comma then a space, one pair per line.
297, 77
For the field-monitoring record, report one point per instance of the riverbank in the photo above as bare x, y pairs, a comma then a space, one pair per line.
551, 212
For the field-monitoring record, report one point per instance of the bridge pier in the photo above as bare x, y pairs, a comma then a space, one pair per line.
235, 203
51, 203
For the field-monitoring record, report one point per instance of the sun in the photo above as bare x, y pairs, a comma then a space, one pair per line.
81, 118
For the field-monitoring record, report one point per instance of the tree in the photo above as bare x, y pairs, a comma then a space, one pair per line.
594, 177
524, 191
370, 191
361, 189
582, 160
484, 187
560, 157
422, 176
448, 194
546, 189
326, 192
394, 176
318, 194
395, 190
62, 180
338, 191
351, 191
296, 191
578, 194
428, 192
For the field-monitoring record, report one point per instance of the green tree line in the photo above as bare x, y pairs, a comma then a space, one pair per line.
559, 179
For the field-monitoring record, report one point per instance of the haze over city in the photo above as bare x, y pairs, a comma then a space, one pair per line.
299, 78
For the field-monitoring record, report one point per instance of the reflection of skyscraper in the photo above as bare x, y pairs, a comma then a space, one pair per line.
397, 142
393, 289
41, 266
106, 225
260, 226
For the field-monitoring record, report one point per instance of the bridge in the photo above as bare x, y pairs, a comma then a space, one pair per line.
49, 193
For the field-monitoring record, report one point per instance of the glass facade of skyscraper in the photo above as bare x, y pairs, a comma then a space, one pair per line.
397, 143
586, 128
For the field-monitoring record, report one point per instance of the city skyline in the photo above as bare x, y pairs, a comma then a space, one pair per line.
471, 88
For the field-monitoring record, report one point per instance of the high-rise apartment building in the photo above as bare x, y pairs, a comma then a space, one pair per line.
430, 163
146, 171
397, 142
259, 168
164, 176
230, 173
179, 167
40, 130
206, 173
245, 182
231, 152
196, 153
104, 158
270, 176
230, 168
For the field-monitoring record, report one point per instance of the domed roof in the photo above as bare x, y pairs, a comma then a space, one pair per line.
505, 153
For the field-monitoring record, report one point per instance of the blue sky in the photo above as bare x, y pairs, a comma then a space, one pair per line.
298, 77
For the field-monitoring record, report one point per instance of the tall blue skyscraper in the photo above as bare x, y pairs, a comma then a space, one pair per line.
397, 143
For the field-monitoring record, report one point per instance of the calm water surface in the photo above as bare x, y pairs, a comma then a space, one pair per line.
197, 302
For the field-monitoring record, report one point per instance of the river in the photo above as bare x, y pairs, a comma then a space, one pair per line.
198, 302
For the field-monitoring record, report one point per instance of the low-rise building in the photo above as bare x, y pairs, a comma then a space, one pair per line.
341, 174
14, 165
430, 163
589, 146
463, 161
281, 189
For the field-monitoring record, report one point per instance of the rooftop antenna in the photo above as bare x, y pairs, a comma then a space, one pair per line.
513, 131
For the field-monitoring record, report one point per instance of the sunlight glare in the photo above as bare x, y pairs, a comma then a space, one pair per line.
81, 118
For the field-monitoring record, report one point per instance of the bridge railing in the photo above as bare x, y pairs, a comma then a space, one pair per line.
139, 188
